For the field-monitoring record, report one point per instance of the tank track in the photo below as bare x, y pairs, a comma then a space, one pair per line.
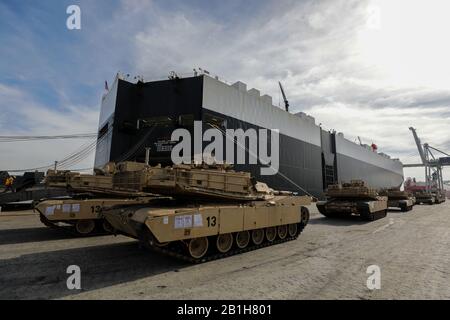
405, 208
367, 216
71, 229
214, 255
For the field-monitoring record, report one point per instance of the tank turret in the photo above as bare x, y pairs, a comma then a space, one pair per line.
353, 198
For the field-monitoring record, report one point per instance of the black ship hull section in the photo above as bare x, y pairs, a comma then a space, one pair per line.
299, 162
165, 102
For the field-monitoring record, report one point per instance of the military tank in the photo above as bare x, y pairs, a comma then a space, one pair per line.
399, 199
434, 196
80, 212
354, 198
212, 212
440, 196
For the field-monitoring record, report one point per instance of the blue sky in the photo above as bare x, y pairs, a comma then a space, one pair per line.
368, 68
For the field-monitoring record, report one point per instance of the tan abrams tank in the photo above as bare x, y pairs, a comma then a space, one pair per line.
214, 230
81, 214
353, 198
432, 197
133, 185
213, 212
399, 199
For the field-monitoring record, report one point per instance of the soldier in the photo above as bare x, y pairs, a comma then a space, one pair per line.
9, 184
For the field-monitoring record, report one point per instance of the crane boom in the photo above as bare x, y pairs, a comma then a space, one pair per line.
286, 102
419, 145
435, 149
433, 166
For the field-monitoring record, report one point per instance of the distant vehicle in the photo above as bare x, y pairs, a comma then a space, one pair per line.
399, 199
423, 196
26, 188
353, 198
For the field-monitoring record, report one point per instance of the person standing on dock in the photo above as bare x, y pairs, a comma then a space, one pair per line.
9, 184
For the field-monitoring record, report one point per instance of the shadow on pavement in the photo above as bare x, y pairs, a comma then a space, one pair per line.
343, 221
43, 275
395, 210
23, 235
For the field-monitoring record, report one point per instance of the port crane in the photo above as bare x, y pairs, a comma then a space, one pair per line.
286, 102
433, 165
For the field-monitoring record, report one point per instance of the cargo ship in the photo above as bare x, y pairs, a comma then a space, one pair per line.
137, 119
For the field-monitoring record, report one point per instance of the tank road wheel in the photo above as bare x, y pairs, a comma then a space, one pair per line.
292, 230
85, 227
304, 216
271, 233
224, 242
282, 231
198, 247
258, 236
106, 226
242, 239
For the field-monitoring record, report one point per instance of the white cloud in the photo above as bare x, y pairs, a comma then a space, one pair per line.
21, 115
